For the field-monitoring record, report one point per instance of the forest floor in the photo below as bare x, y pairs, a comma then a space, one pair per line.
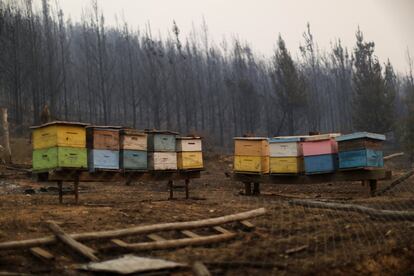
331, 241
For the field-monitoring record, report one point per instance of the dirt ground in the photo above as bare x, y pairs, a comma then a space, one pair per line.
327, 241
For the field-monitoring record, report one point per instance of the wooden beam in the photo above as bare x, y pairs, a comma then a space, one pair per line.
349, 175
377, 213
155, 237
69, 241
221, 230
42, 253
116, 176
146, 229
167, 244
247, 224
190, 234
199, 269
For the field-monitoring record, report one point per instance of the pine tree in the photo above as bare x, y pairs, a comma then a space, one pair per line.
408, 126
374, 94
289, 84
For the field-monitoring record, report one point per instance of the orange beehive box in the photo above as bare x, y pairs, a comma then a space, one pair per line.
251, 146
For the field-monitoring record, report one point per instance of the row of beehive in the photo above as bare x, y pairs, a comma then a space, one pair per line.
75, 145
308, 154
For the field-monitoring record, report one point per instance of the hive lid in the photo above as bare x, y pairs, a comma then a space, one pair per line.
284, 139
322, 137
189, 138
105, 127
154, 131
131, 131
60, 123
359, 135
250, 138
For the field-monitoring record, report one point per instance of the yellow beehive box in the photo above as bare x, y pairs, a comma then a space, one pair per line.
190, 160
251, 146
251, 164
286, 165
59, 134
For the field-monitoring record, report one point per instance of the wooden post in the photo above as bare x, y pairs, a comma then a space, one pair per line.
60, 186
72, 243
187, 192
171, 188
6, 139
76, 188
256, 188
373, 186
247, 188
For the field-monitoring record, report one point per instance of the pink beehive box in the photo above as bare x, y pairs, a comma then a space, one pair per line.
320, 144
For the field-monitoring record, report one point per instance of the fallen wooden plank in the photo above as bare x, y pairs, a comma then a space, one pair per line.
247, 224
110, 234
155, 237
42, 253
190, 234
388, 214
167, 244
221, 230
69, 241
199, 269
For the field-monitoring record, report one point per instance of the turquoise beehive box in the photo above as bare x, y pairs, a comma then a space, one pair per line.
133, 160
361, 158
160, 141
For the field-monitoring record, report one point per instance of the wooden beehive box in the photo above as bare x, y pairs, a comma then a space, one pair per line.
103, 137
285, 146
325, 163
162, 161
102, 159
131, 139
59, 157
286, 165
251, 146
251, 164
188, 144
133, 160
161, 141
59, 134
361, 149
320, 144
190, 160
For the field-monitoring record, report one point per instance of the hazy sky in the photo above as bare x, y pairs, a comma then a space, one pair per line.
390, 23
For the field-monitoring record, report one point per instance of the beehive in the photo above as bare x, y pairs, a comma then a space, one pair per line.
131, 139
161, 161
59, 144
361, 149
189, 153
59, 134
320, 153
286, 155
161, 141
251, 155
190, 160
325, 163
59, 157
133, 154
103, 144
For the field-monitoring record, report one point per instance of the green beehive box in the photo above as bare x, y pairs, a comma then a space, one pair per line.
59, 157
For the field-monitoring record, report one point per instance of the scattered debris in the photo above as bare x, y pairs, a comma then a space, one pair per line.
128, 264
296, 249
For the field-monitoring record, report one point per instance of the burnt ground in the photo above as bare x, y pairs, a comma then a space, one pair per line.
332, 241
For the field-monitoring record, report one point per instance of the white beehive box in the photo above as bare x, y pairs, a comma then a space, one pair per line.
188, 144
162, 161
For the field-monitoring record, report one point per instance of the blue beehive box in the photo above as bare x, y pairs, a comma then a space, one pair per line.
133, 160
325, 163
162, 141
361, 158
103, 159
